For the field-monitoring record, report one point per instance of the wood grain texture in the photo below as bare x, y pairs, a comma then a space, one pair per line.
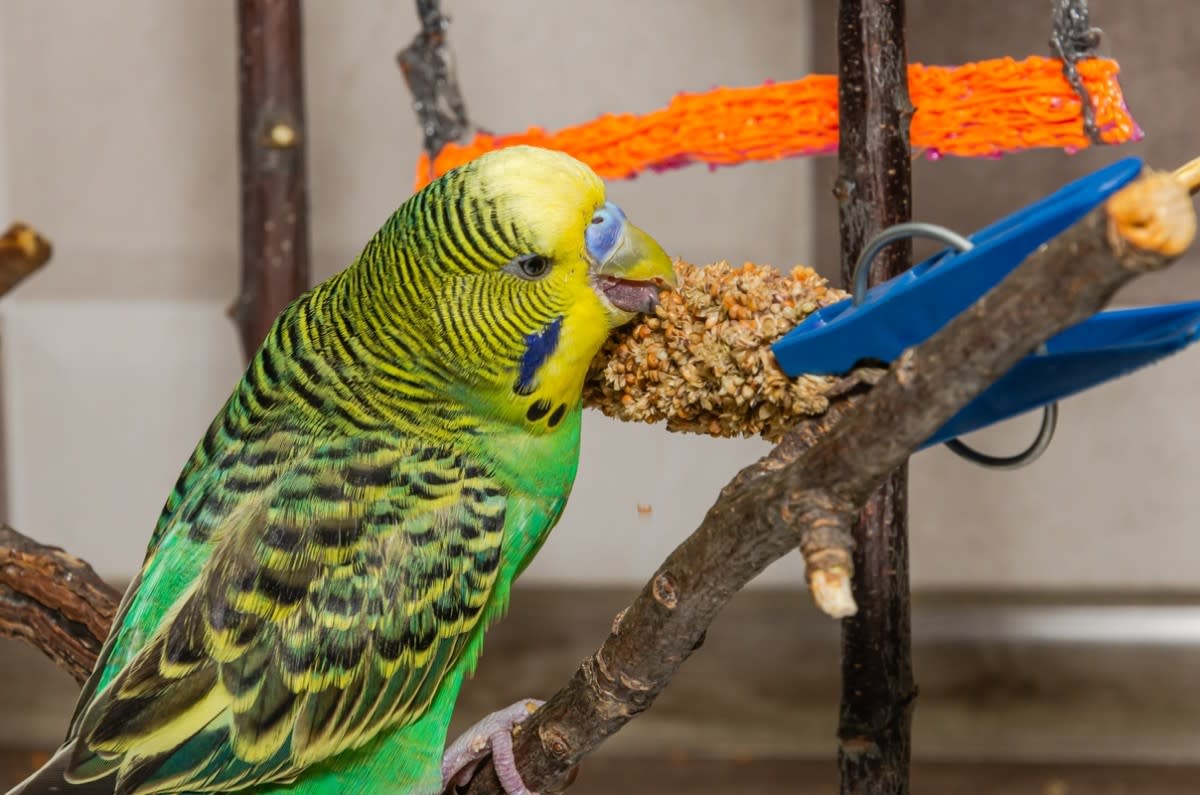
873, 192
272, 145
54, 601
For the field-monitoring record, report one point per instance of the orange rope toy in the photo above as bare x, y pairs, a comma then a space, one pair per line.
980, 109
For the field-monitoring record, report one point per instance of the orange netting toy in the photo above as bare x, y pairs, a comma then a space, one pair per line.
979, 109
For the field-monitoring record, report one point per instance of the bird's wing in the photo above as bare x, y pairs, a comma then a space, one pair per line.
337, 590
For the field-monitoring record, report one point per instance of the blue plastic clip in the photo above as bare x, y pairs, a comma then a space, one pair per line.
1106, 346
910, 308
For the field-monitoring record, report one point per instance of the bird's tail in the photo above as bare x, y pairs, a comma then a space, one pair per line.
50, 778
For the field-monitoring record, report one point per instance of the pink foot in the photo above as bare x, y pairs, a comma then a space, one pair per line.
492, 735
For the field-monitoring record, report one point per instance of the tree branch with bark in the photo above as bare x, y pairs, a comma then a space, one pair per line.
805, 494
810, 496
273, 173
873, 192
54, 601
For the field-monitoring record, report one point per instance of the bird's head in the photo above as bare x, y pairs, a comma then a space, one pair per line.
515, 268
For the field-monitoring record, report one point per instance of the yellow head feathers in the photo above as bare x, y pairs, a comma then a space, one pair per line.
509, 272
550, 195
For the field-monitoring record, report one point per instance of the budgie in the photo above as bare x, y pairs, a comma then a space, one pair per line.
321, 576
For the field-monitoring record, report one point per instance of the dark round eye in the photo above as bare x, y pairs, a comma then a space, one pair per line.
532, 266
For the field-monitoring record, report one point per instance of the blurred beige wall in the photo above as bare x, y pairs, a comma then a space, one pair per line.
118, 141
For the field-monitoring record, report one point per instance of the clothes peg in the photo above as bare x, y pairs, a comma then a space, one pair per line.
877, 324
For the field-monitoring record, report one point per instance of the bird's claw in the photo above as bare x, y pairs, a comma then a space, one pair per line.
492, 735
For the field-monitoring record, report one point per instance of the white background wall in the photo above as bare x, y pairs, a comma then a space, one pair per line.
118, 141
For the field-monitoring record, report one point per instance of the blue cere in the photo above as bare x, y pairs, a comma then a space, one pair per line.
604, 232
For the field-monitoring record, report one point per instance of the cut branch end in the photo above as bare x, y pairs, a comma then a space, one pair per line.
831, 591
1153, 215
22, 251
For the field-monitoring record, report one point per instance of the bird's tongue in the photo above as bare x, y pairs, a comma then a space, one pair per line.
629, 296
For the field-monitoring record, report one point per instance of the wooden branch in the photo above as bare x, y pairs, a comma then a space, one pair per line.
22, 251
274, 192
812, 501
54, 601
874, 191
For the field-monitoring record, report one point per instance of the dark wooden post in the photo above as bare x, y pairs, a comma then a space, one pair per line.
274, 190
873, 191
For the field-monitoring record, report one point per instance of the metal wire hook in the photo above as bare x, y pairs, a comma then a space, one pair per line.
862, 273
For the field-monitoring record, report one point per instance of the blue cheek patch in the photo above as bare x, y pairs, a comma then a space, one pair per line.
538, 347
604, 232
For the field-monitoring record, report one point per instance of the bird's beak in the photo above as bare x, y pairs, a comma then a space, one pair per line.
632, 276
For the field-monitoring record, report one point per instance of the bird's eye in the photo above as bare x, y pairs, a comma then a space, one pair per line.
530, 266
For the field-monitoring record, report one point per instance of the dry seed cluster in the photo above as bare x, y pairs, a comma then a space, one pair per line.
703, 361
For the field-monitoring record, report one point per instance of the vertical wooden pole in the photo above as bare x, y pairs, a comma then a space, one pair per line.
873, 191
274, 191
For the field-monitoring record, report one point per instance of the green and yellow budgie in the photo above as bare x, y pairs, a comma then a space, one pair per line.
323, 571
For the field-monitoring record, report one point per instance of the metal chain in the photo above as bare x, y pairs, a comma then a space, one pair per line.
1072, 39
428, 68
